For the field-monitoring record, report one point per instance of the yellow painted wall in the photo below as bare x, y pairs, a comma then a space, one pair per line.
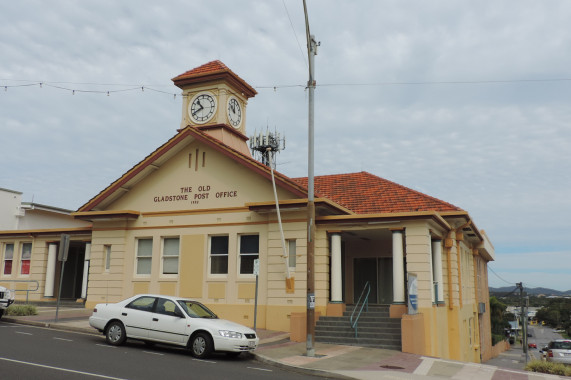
192, 265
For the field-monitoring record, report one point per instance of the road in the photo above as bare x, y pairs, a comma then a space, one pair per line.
541, 335
28, 352
515, 358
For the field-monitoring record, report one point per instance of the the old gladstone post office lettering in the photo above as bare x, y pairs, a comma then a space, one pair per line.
187, 194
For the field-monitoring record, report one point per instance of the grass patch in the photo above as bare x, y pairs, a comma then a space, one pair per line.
548, 367
21, 310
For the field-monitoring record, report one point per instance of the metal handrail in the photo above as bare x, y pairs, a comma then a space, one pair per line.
24, 290
365, 305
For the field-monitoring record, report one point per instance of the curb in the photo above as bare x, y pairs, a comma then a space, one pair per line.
51, 325
301, 370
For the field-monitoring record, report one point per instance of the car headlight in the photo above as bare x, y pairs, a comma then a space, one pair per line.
8, 294
230, 334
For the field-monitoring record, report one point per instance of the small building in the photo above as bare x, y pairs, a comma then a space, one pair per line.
29, 237
196, 216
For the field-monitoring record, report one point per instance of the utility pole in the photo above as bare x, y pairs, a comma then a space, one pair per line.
523, 320
311, 52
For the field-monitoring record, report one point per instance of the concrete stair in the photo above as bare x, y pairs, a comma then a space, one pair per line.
375, 329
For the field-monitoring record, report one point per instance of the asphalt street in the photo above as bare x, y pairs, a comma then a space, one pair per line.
28, 352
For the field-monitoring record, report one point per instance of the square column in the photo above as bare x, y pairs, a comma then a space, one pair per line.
398, 268
50, 270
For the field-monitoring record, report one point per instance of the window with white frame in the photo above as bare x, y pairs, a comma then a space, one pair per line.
219, 254
144, 256
107, 250
8, 258
291, 247
171, 248
26, 258
249, 251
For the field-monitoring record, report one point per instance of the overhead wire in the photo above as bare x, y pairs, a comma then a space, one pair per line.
295, 34
134, 87
507, 282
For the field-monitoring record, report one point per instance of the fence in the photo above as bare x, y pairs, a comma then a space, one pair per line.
24, 290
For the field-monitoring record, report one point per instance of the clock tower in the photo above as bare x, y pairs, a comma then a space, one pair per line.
215, 100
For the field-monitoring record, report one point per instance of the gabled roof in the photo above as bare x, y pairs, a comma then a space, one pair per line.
211, 71
365, 193
157, 158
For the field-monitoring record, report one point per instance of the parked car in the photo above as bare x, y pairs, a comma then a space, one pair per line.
172, 320
532, 345
6, 299
559, 351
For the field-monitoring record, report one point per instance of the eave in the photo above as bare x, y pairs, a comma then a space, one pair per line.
386, 217
106, 215
46, 231
323, 206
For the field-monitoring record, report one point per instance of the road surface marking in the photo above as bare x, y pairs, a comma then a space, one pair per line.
153, 353
260, 369
61, 369
104, 345
67, 340
24, 333
204, 361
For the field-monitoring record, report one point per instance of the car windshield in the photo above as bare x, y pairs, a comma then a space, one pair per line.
196, 310
562, 345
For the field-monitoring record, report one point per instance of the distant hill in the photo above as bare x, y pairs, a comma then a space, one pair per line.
530, 291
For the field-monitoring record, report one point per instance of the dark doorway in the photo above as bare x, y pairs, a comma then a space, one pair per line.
379, 272
365, 270
72, 272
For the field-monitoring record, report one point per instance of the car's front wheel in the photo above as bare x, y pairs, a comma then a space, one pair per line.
201, 345
115, 333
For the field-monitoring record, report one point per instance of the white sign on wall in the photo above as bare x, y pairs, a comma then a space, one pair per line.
412, 294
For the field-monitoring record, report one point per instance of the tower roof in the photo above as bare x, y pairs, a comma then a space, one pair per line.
213, 71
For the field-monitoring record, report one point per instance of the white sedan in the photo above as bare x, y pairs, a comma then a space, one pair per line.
171, 320
6, 299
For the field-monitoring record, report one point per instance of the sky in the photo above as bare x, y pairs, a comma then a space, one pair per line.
469, 102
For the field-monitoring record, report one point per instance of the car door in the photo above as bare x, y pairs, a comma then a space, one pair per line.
168, 323
137, 315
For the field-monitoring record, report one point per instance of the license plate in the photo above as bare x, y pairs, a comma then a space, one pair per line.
252, 344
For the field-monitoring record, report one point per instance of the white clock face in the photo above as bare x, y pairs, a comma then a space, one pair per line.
202, 108
234, 112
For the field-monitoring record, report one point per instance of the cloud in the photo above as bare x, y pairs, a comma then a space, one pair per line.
534, 269
422, 93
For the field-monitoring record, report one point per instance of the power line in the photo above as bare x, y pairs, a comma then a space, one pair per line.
134, 87
507, 282
295, 34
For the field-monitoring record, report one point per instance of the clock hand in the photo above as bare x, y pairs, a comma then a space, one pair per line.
232, 108
200, 109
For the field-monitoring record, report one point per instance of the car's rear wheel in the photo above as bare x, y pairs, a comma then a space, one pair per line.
201, 345
115, 333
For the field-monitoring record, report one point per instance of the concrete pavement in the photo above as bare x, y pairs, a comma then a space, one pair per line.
330, 360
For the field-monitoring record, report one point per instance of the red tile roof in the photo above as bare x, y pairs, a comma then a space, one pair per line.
211, 71
207, 68
365, 193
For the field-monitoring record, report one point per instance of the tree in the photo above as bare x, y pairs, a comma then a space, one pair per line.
499, 319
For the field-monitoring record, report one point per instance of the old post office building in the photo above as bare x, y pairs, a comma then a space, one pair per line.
193, 217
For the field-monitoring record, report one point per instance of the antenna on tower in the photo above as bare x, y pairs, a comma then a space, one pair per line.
265, 146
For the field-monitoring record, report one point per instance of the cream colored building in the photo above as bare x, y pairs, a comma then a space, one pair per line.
193, 216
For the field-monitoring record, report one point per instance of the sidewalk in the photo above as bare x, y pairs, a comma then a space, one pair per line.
333, 361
